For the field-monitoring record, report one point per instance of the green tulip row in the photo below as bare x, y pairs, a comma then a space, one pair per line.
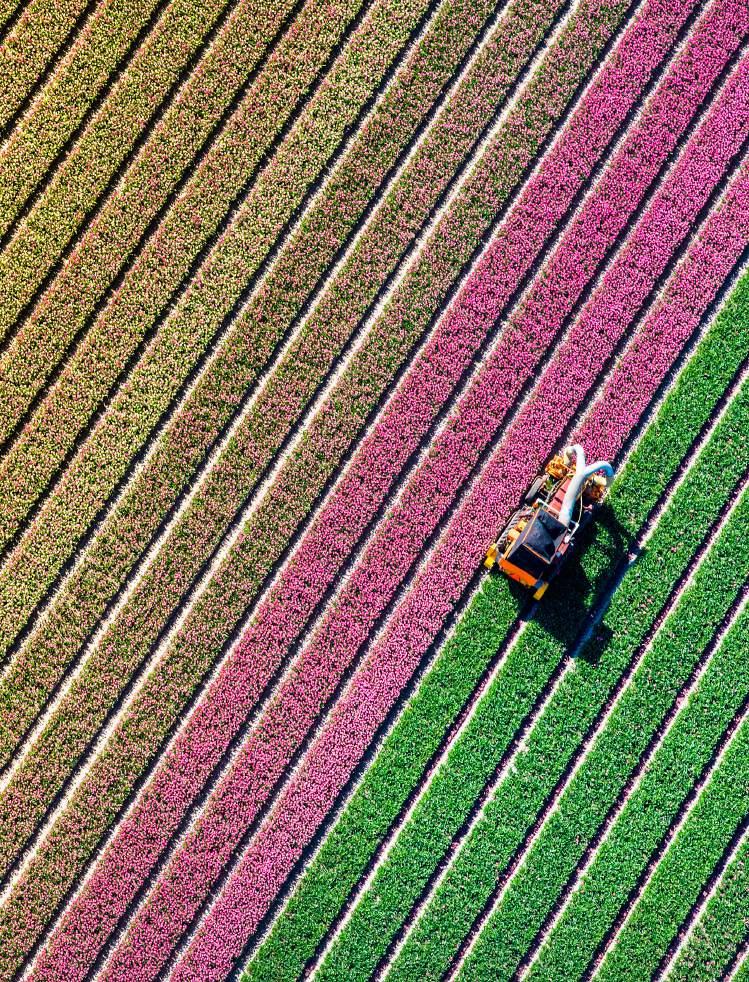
629, 731
722, 804
135, 740
720, 928
515, 804
439, 699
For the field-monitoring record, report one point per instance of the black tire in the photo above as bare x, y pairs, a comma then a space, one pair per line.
533, 491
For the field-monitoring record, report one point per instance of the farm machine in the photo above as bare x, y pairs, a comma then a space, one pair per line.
541, 533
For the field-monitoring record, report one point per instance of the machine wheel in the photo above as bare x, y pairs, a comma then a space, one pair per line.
534, 489
491, 555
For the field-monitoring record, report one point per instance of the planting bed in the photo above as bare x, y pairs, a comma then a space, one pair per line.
296, 299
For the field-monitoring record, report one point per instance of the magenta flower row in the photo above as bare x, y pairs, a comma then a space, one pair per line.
197, 750
133, 745
339, 747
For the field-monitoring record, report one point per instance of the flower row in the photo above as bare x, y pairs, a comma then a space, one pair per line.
107, 456
219, 391
717, 816
140, 301
30, 46
631, 733
511, 813
84, 175
169, 685
56, 115
406, 751
184, 548
418, 618
245, 683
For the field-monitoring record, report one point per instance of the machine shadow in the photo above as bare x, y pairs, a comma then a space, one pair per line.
563, 612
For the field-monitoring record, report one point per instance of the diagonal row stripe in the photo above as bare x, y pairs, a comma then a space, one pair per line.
461, 662
73, 246
329, 738
106, 48
35, 42
620, 744
238, 675
470, 882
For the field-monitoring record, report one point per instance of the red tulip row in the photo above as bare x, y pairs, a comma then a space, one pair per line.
137, 304
30, 46
130, 749
77, 81
325, 227
407, 418
353, 722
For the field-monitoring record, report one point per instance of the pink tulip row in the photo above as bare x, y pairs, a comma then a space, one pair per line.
199, 747
73, 189
138, 625
30, 46
130, 749
54, 117
136, 304
647, 360
353, 723
126, 532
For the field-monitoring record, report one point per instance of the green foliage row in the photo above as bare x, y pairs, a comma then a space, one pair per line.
721, 927
407, 750
722, 804
670, 774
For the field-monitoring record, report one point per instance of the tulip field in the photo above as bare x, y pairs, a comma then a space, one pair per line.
297, 298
